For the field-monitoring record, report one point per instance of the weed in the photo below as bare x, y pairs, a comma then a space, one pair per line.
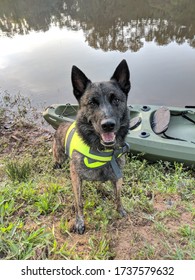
19, 244
18, 172
64, 226
20, 109
46, 203
7, 208
187, 231
2, 116
161, 228
64, 251
100, 248
178, 253
169, 213
25, 191
146, 253
191, 208
186, 189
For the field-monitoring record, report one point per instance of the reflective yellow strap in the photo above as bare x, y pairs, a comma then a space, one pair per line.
68, 139
94, 164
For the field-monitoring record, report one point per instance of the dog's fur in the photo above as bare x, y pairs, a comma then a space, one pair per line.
102, 121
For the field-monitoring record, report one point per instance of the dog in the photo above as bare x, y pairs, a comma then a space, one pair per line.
96, 141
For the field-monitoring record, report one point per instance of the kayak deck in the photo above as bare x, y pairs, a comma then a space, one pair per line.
176, 144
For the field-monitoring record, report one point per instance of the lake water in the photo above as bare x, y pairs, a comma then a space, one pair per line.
41, 40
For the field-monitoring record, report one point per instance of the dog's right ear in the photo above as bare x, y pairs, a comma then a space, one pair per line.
79, 82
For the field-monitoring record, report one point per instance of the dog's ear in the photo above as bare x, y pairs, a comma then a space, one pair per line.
79, 82
121, 76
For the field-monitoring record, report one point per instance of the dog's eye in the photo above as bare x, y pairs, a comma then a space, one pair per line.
114, 100
93, 102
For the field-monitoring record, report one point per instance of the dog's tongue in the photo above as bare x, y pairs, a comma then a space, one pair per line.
108, 137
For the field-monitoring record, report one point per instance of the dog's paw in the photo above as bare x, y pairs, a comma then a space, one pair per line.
79, 226
57, 166
122, 212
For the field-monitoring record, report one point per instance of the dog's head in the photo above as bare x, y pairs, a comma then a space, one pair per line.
103, 117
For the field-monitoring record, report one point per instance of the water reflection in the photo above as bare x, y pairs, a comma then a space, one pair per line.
107, 25
41, 40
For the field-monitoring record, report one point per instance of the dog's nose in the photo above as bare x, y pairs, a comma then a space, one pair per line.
108, 124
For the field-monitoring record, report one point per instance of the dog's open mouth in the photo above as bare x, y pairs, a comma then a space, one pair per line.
108, 139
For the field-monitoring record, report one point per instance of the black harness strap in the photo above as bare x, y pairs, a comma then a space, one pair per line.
114, 164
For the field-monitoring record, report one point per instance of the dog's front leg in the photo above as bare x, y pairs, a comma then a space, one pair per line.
118, 186
77, 189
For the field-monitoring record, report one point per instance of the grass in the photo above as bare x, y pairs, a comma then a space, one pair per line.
18, 171
37, 214
37, 206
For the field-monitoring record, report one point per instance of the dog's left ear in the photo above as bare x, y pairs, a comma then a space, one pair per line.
121, 76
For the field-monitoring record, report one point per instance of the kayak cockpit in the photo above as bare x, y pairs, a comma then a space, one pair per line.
165, 123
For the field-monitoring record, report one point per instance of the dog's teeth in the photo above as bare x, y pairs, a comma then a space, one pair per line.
108, 137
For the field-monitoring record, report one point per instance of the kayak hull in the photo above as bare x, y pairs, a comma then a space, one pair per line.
142, 139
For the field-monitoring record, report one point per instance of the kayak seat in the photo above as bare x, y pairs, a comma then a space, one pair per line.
160, 120
134, 123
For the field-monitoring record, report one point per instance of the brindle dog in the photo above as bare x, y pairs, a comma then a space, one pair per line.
102, 123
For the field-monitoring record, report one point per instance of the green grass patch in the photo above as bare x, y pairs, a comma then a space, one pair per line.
18, 171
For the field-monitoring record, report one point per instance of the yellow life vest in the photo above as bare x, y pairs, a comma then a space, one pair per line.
92, 158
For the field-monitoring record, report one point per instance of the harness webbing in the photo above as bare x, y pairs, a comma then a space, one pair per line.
93, 158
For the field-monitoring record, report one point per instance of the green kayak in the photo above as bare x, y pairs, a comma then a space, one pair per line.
159, 133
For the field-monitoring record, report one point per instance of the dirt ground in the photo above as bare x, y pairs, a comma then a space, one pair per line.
134, 237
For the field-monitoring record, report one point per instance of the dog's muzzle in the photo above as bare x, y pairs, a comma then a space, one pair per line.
108, 135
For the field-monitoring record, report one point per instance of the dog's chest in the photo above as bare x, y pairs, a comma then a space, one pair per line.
102, 173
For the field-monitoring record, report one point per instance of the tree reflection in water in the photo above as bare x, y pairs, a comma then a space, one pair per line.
107, 25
